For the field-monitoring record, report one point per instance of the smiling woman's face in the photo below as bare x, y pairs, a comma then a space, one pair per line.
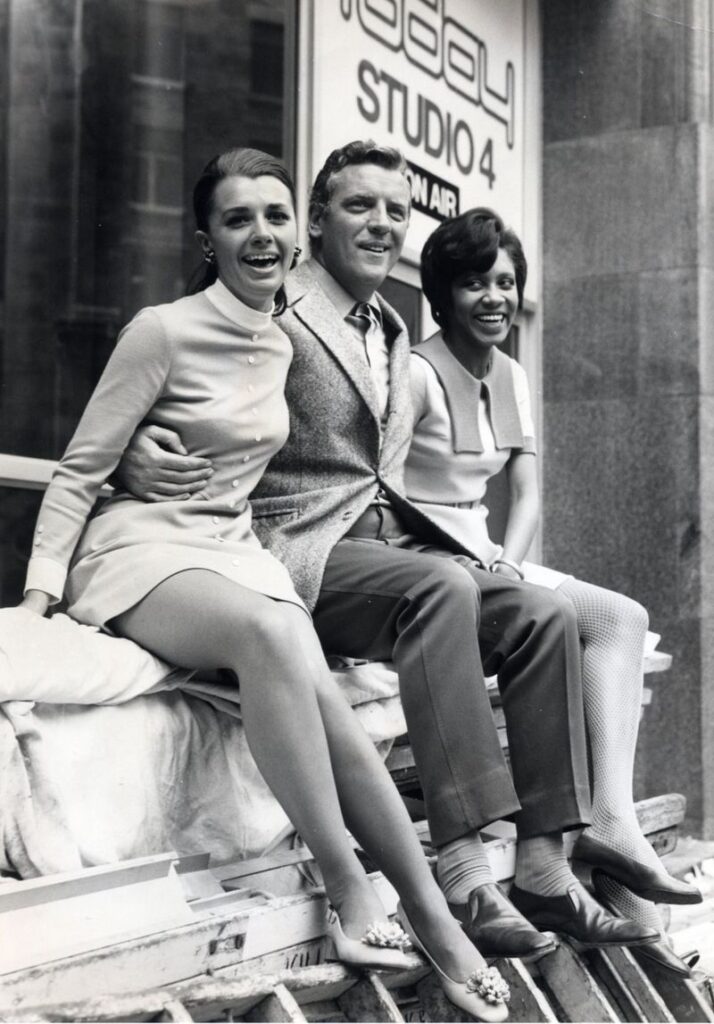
251, 229
484, 305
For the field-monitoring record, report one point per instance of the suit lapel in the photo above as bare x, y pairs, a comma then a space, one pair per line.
313, 309
399, 410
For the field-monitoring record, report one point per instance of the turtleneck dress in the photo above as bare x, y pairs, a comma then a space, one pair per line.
214, 370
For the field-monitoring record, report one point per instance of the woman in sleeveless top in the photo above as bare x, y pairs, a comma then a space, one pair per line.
472, 419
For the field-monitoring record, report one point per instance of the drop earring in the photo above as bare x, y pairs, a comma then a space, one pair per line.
296, 256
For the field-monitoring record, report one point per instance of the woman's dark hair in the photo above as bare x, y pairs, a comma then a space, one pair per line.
468, 242
248, 163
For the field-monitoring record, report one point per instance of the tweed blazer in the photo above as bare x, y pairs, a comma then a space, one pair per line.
336, 457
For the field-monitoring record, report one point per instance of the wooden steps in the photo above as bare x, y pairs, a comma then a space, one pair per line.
247, 956
601, 986
227, 950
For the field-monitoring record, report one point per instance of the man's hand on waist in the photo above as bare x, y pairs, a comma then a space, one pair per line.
157, 467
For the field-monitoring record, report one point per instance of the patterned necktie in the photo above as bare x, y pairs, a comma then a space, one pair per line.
365, 318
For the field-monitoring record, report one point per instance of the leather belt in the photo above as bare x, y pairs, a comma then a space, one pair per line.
378, 522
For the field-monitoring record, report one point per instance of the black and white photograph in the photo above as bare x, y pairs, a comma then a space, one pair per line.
356, 511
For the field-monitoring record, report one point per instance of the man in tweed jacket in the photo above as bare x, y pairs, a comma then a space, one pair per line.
331, 507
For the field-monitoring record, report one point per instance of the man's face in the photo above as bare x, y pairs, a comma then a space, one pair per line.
362, 230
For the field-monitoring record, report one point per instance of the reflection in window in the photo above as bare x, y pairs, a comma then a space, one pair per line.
110, 109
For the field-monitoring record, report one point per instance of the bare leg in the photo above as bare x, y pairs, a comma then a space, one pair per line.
376, 816
201, 620
301, 730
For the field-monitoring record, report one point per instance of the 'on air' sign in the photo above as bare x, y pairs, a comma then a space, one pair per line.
442, 80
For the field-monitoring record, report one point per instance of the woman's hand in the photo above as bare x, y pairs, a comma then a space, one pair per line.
36, 601
157, 467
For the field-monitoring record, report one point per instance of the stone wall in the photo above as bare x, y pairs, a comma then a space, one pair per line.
628, 369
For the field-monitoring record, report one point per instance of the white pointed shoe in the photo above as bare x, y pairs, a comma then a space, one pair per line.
381, 947
484, 994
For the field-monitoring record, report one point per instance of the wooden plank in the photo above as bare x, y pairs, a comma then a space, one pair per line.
681, 995
64, 915
175, 1011
369, 1000
280, 1006
142, 1006
149, 962
632, 978
210, 999
434, 1004
659, 812
54, 888
528, 1004
302, 954
571, 987
657, 661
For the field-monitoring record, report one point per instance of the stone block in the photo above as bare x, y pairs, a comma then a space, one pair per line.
591, 59
621, 203
620, 498
615, 336
612, 66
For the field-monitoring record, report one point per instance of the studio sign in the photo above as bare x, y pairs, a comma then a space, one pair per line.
446, 51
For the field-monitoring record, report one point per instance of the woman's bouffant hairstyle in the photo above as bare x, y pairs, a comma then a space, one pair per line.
468, 242
247, 163
362, 151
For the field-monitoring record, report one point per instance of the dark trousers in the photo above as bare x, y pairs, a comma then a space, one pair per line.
443, 621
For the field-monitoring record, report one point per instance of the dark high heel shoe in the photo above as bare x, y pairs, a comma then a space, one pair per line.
382, 946
577, 915
484, 994
659, 951
649, 883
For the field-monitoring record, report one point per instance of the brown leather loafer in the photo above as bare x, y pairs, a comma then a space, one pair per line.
497, 929
580, 917
647, 882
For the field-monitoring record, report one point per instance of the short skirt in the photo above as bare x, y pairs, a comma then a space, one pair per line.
124, 555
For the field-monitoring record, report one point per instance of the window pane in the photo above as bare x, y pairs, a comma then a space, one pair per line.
109, 109
18, 512
407, 301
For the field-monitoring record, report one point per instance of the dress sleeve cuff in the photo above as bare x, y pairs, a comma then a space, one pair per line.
529, 445
46, 575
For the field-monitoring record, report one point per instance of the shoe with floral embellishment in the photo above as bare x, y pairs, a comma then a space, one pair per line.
383, 946
484, 994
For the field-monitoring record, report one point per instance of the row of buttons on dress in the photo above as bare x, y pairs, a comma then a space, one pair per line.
38, 539
246, 458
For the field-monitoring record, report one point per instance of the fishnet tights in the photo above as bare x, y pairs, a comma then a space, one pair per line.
612, 631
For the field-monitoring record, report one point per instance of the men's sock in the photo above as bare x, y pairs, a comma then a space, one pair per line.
542, 867
463, 866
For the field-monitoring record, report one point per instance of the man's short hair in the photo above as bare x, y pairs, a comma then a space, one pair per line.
361, 151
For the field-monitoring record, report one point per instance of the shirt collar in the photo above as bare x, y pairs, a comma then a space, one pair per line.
232, 307
342, 301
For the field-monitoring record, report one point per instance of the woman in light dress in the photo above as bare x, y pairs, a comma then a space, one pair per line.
188, 579
471, 419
